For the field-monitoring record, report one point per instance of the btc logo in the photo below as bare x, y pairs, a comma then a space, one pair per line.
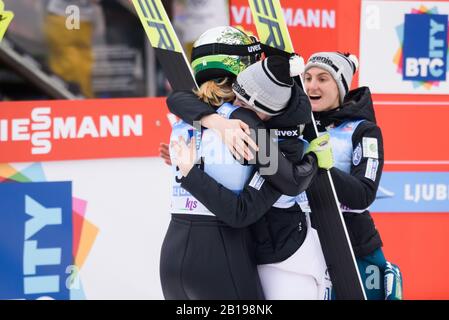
425, 47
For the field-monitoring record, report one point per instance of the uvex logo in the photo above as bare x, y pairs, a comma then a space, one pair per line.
255, 48
287, 133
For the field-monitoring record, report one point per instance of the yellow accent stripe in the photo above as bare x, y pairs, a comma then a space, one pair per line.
270, 24
157, 25
5, 19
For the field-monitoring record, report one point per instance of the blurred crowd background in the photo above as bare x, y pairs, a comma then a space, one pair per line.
46, 55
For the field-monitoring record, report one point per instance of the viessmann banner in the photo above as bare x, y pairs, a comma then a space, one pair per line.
314, 25
89, 129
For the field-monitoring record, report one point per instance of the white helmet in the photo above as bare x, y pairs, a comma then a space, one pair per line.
223, 52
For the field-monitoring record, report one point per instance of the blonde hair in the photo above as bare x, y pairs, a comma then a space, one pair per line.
216, 93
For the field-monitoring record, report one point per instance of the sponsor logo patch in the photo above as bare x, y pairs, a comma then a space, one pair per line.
257, 181
357, 155
371, 169
370, 148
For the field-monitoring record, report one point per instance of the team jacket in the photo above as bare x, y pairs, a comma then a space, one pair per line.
356, 182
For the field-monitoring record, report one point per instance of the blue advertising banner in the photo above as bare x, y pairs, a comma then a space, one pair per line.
36, 236
425, 47
413, 192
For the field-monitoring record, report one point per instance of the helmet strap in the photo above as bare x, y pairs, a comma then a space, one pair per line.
252, 49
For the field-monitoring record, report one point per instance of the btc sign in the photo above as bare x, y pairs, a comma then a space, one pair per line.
425, 47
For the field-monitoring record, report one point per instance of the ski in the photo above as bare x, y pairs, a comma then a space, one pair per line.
327, 217
166, 44
5, 19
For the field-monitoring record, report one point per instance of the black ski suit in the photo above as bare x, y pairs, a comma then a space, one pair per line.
355, 190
